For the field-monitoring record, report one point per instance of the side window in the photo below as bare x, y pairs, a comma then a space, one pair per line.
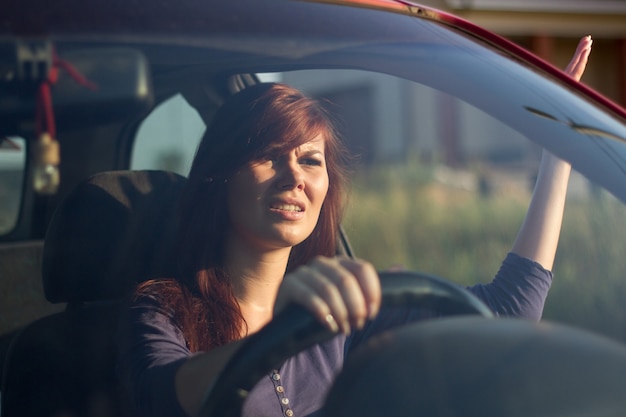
168, 137
12, 169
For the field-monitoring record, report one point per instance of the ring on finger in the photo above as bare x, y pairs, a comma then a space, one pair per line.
332, 323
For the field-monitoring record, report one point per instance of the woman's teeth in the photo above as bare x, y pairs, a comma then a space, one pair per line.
287, 207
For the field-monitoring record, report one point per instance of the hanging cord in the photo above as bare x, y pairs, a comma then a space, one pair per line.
46, 150
45, 113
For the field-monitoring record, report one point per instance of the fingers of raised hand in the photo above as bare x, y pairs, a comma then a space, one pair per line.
577, 65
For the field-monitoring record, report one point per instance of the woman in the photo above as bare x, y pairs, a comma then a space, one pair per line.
258, 223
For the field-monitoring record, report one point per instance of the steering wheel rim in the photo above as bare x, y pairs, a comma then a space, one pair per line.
295, 329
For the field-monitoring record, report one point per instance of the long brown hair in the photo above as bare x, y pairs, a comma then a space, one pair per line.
264, 118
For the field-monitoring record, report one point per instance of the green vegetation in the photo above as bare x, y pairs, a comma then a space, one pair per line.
399, 216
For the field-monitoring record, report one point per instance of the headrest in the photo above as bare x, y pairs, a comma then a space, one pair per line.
113, 230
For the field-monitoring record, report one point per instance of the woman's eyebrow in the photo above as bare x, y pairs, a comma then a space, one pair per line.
313, 154
311, 151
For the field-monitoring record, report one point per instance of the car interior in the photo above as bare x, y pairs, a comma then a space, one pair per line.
106, 234
100, 225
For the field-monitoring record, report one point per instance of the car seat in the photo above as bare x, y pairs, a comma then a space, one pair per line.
113, 230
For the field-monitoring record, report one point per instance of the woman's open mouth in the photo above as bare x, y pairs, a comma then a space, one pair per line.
287, 207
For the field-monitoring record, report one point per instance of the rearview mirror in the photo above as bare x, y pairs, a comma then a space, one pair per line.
116, 83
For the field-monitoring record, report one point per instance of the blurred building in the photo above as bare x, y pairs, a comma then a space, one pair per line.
551, 29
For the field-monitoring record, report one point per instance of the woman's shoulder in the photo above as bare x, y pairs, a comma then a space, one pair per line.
158, 288
162, 294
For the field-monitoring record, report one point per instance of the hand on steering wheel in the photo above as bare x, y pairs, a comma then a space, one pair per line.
341, 292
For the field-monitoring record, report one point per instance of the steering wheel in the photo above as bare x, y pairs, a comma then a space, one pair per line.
295, 329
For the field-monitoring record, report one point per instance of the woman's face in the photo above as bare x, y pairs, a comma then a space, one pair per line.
276, 203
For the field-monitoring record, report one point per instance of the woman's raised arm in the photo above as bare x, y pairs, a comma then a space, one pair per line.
538, 236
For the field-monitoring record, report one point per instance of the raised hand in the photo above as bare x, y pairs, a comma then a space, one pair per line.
577, 65
538, 236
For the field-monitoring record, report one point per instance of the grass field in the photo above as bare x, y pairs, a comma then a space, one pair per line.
398, 216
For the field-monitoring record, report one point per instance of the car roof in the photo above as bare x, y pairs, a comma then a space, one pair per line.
191, 22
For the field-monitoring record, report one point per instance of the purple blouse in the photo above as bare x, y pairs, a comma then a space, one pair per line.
152, 347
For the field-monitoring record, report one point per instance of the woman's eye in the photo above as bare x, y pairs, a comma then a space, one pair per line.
312, 161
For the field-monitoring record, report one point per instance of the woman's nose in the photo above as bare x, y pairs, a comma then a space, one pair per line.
291, 177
